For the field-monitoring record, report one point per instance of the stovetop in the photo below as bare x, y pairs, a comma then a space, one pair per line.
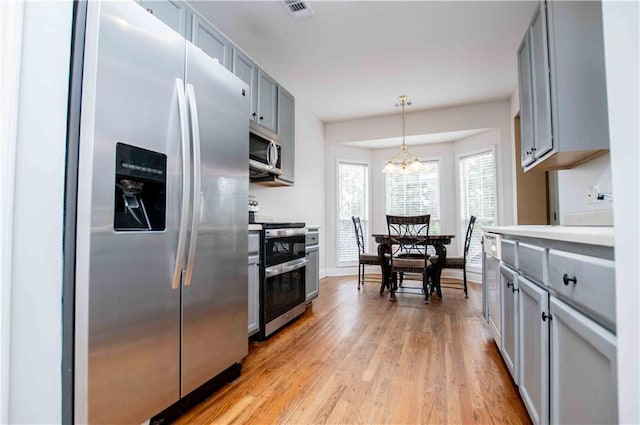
273, 225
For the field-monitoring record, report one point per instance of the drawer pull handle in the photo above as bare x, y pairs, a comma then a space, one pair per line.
545, 316
566, 279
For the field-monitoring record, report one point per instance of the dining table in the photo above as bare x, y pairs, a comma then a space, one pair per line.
438, 242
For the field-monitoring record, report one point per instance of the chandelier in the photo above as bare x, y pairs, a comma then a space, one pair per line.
404, 162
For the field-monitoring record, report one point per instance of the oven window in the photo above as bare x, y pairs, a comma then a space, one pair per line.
283, 292
284, 249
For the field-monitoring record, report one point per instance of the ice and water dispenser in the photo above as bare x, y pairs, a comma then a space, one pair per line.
140, 189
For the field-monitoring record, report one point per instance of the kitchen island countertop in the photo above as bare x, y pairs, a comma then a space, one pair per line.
593, 235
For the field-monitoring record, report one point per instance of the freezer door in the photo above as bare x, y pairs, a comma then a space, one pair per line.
215, 290
127, 312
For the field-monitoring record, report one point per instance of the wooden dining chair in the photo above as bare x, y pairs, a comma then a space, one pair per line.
409, 256
364, 258
460, 262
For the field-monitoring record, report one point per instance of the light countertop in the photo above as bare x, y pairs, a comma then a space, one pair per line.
255, 227
592, 235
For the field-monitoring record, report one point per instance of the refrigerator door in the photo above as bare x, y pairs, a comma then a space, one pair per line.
127, 313
214, 293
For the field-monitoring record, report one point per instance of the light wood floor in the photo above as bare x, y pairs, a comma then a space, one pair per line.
356, 357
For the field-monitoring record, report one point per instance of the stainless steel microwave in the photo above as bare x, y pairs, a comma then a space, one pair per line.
264, 152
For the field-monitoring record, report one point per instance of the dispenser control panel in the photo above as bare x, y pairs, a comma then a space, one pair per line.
140, 189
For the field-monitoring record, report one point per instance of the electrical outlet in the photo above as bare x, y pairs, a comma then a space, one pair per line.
592, 194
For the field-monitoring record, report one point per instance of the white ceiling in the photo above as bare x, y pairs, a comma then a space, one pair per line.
353, 58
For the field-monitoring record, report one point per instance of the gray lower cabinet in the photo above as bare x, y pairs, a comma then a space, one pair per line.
254, 283
171, 12
267, 113
312, 277
254, 295
583, 369
286, 131
210, 40
534, 349
510, 320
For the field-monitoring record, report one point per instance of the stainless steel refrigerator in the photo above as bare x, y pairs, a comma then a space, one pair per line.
161, 235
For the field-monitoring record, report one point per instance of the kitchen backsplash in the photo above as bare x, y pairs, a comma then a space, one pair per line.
576, 207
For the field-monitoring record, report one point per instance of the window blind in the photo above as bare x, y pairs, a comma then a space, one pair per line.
352, 201
478, 198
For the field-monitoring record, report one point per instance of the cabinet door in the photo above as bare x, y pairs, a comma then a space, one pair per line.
171, 12
267, 101
254, 295
245, 69
583, 366
510, 320
534, 350
312, 273
526, 100
286, 131
492, 276
210, 40
540, 83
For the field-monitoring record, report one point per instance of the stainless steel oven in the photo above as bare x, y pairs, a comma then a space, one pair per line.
282, 273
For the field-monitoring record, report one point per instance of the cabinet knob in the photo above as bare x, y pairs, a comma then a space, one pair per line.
533, 149
545, 316
527, 153
150, 10
514, 289
509, 284
566, 280
261, 118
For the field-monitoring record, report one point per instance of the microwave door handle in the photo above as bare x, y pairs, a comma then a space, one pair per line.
186, 183
195, 217
272, 154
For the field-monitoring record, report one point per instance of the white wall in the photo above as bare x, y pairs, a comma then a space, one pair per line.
621, 36
305, 200
11, 20
493, 116
573, 185
36, 280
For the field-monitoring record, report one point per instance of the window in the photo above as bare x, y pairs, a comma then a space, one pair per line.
352, 201
416, 194
478, 198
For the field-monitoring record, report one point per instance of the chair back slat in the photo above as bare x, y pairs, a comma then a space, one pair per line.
408, 234
467, 240
359, 234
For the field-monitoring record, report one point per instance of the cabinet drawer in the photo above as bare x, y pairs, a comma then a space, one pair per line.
509, 252
594, 286
311, 238
531, 262
254, 242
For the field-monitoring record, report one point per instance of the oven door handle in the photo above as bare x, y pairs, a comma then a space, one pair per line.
285, 267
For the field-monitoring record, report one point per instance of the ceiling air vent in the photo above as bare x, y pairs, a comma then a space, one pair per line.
298, 8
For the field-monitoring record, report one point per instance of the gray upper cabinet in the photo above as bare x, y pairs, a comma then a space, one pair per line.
267, 102
563, 103
210, 40
286, 131
172, 13
245, 69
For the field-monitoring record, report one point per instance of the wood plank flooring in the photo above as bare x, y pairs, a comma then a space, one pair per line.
357, 358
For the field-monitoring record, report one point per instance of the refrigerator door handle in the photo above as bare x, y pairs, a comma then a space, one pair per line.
186, 184
195, 218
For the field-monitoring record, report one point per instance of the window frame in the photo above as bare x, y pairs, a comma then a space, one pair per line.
367, 206
459, 202
441, 220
